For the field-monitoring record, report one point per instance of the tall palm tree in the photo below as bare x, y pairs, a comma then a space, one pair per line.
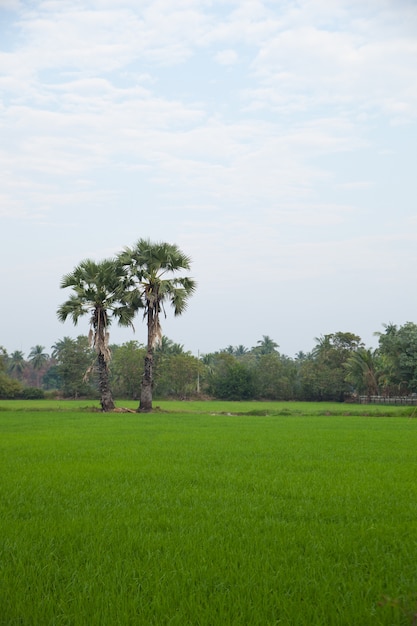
99, 290
153, 269
38, 358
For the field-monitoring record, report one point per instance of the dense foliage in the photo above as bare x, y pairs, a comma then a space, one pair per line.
339, 367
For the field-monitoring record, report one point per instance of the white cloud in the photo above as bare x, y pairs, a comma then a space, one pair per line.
310, 68
226, 57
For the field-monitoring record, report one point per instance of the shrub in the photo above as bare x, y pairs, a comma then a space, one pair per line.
9, 388
32, 393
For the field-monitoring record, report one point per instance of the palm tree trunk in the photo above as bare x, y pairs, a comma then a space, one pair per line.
145, 405
106, 398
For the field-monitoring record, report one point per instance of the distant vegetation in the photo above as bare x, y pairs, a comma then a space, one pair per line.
339, 367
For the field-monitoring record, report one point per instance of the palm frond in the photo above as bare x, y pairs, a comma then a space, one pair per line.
72, 308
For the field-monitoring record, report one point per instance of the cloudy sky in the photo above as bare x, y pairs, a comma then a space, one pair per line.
273, 140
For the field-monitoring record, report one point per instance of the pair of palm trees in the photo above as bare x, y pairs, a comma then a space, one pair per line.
142, 277
37, 359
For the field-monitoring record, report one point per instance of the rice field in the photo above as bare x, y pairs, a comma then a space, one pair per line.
208, 513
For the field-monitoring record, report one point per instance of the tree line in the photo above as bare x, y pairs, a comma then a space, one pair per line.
339, 367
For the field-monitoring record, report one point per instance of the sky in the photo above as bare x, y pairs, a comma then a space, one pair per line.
274, 141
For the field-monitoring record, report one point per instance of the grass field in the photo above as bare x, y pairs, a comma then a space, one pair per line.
197, 516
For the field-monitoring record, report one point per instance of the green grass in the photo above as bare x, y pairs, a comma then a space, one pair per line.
194, 518
250, 407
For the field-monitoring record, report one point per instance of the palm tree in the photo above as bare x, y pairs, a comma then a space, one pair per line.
60, 347
169, 347
361, 367
266, 345
237, 351
99, 290
38, 358
153, 269
17, 364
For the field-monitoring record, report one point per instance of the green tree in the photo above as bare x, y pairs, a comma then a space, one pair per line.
17, 364
99, 291
266, 345
237, 351
153, 269
176, 376
322, 375
362, 371
4, 358
398, 347
73, 359
126, 369
60, 347
166, 348
9, 388
275, 377
51, 379
230, 379
38, 360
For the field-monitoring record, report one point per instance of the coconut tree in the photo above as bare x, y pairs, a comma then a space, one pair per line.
362, 371
38, 359
153, 269
266, 345
98, 291
17, 364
